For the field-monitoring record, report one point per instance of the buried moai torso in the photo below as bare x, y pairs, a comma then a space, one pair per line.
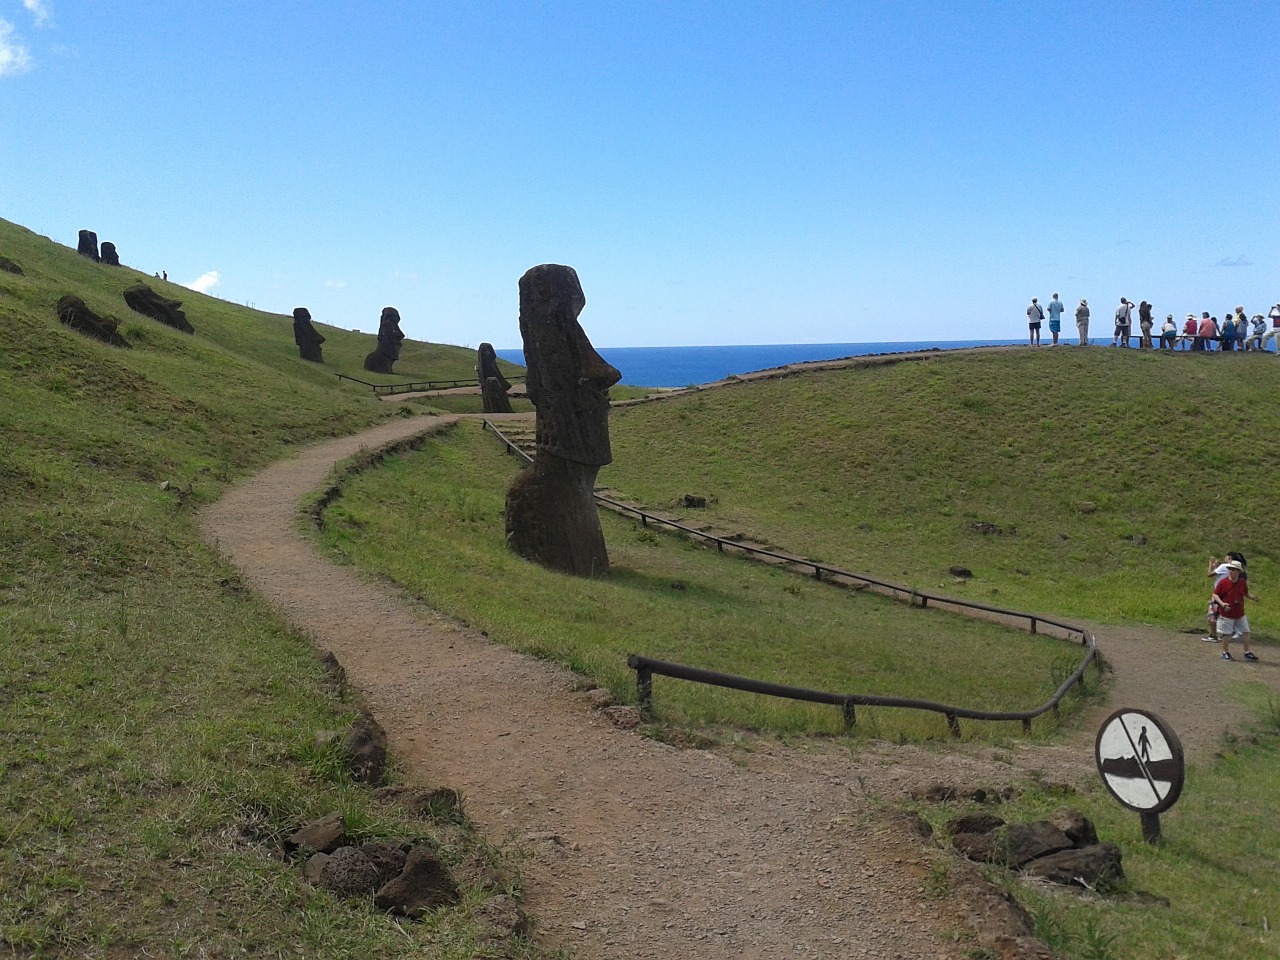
306, 336
389, 340
551, 513
493, 385
142, 299
87, 245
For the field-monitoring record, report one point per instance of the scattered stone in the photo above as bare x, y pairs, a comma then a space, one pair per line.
311, 869
1064, 537
1078, 828
388, 859
691, 502
918, 825
1084, 866
8, 266
306, 336
365, 748
679, 585
963, 572
1137, 539
1020, 843
73, 312
423, 885
625, 718
933, 793
500, 918
974, 823
986, 529
109, 255
582, 685
319, 836
142, 299
1086, 506
349, 873
87, 245
337, 675
390, 338
551, 515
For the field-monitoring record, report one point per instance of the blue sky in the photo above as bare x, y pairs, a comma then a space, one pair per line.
717, 172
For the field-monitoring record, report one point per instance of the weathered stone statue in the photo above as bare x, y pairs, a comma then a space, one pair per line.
306, 336
73, 312
493, 385
389, 340
109, 255
87, 246
8, 266
146, 301
551, 515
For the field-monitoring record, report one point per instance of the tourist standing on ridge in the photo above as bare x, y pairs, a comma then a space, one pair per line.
1274, 332
1082, 322
1034, 316
1124, 323
1189, 330
1232, 623
1206, 331
1258, 331
1144, 324
1055, 318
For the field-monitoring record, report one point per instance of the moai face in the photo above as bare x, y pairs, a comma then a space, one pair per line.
567, 380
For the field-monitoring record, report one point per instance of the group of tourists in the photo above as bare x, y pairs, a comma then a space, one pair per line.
1227, 620
1236, 330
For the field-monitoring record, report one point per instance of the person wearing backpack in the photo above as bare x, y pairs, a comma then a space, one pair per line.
1124, 323
1034, 315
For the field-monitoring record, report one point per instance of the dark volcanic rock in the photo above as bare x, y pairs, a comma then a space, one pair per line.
8, 266
87, 245
73, 312
365, 748
349, 873
423, 885
109, 255
387, 858
142, 299
319, 836
1078, 828
1086, 866
974, 823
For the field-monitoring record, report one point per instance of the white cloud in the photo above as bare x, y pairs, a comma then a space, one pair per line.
1240, 261
14, 58
41, 10
335, 284
205, 282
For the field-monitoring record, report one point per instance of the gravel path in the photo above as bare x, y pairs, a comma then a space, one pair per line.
637, 849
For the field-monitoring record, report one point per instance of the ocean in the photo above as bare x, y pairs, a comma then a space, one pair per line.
685, 366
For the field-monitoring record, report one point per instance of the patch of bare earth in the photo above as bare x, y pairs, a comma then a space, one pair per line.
635, 848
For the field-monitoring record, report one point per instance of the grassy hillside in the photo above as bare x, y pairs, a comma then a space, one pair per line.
1090, 483
158, 723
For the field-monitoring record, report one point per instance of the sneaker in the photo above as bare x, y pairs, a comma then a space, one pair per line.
1250, 656
1227, 656
1209, 639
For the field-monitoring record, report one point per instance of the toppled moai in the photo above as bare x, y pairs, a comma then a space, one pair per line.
551, 515
390, 337
142, 299
493, 385
306, 336
73, 312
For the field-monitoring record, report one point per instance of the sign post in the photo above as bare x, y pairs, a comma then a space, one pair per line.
1140, 760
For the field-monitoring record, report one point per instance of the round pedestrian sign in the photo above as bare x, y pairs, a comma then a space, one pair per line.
1140, 760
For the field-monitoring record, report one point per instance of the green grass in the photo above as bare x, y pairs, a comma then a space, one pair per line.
158, 722
671, 600
1107, 473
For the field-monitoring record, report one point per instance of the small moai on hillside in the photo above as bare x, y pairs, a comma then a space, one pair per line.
493, 385
390, 337
306, 336
87, 245
73, 312
109, 255
142, 299
8, 266
551, 515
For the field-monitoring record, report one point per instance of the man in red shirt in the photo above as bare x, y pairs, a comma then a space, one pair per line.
1231, 593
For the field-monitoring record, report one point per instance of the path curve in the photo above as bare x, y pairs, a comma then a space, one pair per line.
637, 849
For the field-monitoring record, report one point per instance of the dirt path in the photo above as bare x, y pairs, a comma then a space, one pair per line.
637, 849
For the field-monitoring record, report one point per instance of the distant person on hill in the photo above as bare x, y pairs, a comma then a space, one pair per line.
1189, 330
1082, 322
1274, 332
1144, 324
1231, 594
1124, 323
1055, 318
1258, 331
1227, 334
1206, 332
1169, 334
1034, 316
165, 274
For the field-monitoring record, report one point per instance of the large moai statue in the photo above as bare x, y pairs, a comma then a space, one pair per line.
142, 299
87, 245
306, 336
493, 385
551, 515
389, 339
109, 255
73, 312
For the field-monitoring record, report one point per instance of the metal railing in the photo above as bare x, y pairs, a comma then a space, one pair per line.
415, 386
646, 668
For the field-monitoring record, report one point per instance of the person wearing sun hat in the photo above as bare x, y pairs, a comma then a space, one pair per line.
1231, 594
1168, 333
1082, 322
